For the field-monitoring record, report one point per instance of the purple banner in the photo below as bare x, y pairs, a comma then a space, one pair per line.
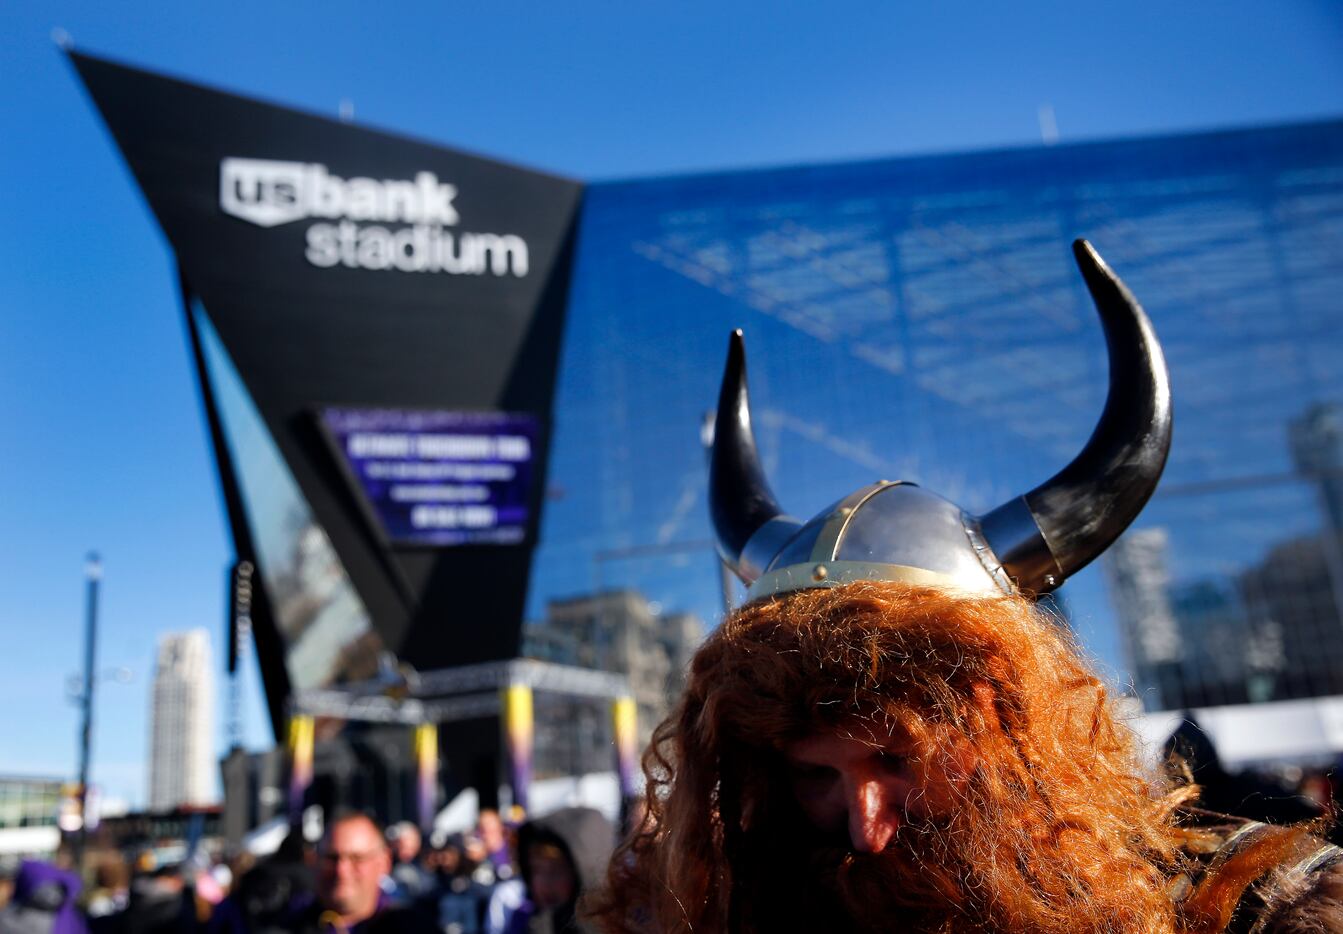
440, 478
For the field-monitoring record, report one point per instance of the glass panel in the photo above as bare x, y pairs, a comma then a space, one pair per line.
922, 319
321, 618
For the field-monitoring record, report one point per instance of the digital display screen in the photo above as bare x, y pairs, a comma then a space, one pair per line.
440, 478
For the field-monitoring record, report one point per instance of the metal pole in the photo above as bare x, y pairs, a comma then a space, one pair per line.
93, 573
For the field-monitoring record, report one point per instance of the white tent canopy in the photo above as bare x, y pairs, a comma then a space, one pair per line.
1302, 732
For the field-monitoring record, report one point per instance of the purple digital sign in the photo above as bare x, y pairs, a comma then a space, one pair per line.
440, 478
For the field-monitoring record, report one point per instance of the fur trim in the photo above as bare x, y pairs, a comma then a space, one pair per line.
1315, 909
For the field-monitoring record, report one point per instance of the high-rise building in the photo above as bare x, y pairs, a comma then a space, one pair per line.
1292, 594
181, 752
1268, 631
1228, 659
1135, 567
30, 809
1316, 438
619, 631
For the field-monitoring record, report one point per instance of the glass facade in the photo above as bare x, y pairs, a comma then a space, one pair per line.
321, 619
29, 802
921, 319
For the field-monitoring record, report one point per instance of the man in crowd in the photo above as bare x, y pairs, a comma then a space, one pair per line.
892, 735
352, 860
460, 899
493, 836
410, 880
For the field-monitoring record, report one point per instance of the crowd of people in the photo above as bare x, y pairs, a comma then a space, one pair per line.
358, 879
496, 879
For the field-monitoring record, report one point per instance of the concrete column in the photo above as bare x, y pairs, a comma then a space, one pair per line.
426, 774
518, 737
300, 747
625, 731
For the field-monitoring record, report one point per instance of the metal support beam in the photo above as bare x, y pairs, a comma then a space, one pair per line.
382, 709
377, 699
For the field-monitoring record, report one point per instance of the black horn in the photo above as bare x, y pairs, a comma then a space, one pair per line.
740, 499
1060, 526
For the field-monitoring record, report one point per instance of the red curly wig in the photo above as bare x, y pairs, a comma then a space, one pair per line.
1057, 827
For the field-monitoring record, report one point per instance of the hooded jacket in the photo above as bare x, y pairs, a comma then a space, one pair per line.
587, 839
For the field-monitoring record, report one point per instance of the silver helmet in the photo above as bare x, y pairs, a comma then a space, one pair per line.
898, 531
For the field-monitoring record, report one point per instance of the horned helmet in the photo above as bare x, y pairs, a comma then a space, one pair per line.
898, 531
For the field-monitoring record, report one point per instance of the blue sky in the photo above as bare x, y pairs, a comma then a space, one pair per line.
100, 424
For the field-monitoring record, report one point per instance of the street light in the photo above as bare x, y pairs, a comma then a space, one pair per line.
93, 574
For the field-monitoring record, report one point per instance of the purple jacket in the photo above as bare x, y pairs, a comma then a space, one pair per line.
44, 900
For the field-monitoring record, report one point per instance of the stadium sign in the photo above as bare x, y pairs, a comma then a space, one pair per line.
270, 193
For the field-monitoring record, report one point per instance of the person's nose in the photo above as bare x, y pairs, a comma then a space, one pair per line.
873, 817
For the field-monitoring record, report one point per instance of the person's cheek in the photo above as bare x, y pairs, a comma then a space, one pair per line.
824, 805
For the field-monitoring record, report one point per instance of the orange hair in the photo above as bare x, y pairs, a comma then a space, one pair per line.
1058, 828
